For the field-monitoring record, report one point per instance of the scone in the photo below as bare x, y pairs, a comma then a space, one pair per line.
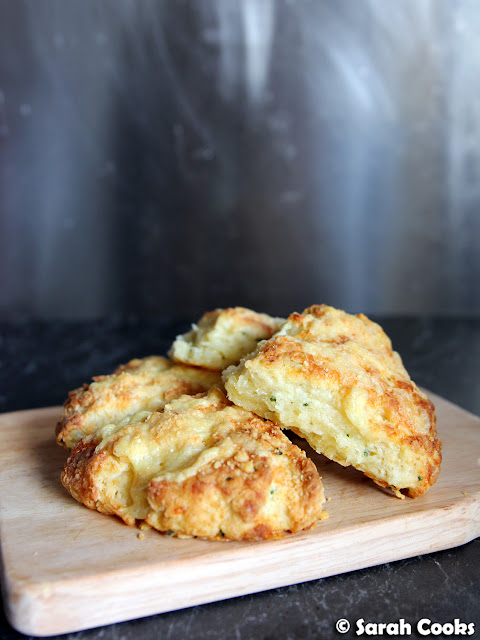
202, 467
334, 379
146, 384
222, 337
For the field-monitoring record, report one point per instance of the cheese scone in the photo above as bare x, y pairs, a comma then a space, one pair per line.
222, 337
146, 384
334, 379
202, 467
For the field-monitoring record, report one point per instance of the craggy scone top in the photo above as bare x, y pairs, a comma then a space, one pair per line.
201, 467
334, 379
141, 385
222, 337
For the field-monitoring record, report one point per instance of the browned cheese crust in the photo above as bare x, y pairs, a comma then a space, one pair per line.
334, 379
202, 467
142, 384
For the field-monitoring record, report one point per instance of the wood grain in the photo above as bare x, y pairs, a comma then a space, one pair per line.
67, 568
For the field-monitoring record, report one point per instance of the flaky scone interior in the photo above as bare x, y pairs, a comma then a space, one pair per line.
201, 467
334, 379
223, 336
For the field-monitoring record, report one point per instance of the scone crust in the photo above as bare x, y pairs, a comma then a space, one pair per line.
202, 467
223, 336
334, 379
141, 384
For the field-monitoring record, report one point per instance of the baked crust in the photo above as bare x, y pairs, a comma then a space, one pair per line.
202, 467
141, 384
334, 379
223, 336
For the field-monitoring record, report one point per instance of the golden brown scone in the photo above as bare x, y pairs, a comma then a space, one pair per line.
334, 379
202, 467
222, 337
146, 384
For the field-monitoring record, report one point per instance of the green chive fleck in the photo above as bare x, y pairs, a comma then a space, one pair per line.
170, 532
272, 491
420, 478
279, 452
273, 399
305, 404
222, 535
366, 453
348, 435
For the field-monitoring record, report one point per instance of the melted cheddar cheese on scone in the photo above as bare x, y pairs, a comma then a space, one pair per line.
141, 385
201, 467
334, 379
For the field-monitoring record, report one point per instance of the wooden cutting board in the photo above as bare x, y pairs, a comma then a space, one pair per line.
67, 568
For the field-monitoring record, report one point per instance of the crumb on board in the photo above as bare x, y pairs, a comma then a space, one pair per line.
141, 535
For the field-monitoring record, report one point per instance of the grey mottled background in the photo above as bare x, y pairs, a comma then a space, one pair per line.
166, 157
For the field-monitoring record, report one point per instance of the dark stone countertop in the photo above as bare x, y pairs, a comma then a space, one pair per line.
41, 361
